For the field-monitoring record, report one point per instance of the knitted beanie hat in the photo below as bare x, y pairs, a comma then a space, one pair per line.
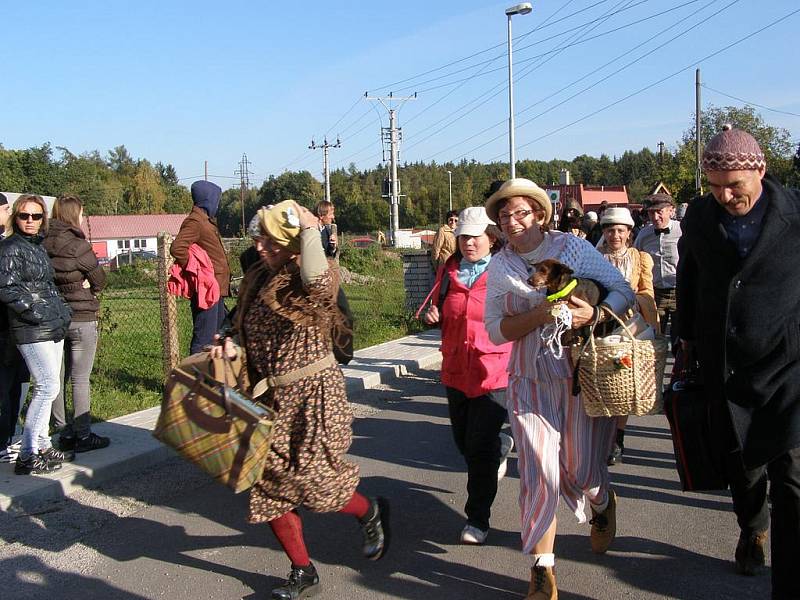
733, 150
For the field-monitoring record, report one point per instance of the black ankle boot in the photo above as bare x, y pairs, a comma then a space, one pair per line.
303, 582
375, 529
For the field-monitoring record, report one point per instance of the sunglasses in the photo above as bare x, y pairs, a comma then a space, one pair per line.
23, 216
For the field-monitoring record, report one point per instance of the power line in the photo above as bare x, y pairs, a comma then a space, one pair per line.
775, 110
349, 110
430, 106
561, 48
616, 72
502, 87
662, 80
500, 45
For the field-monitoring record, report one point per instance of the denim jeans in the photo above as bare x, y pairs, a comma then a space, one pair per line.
79, 350
205, 323
44, 363
476, 424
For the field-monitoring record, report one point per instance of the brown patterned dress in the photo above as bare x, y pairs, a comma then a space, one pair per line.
287, 326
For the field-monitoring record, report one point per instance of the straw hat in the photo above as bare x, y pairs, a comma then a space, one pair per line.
519, 187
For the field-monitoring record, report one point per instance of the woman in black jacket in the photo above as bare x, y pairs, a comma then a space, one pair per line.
79, 279
38, 320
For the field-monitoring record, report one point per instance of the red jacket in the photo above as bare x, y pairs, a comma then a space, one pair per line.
197, 278
471, 363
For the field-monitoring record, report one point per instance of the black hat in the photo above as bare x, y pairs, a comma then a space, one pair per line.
3, 199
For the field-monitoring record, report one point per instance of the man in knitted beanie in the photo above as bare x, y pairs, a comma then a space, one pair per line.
738, 293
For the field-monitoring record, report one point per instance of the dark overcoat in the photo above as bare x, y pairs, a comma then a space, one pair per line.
744, 315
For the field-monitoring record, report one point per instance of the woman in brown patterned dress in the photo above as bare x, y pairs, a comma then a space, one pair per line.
286, 321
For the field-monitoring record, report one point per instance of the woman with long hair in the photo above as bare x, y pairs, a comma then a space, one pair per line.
562, 451
286, 323
636, 267
473, 368
38, 319
79, 278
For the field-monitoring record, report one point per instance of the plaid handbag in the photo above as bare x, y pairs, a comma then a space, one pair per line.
218, 428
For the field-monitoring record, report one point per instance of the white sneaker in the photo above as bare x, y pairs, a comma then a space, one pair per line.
473, 536
506, 445
10, 454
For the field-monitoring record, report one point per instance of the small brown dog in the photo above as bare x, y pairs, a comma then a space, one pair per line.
556, 278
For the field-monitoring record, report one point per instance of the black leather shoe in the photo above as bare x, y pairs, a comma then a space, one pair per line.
751, 553
303, 582
375, 529
91, 442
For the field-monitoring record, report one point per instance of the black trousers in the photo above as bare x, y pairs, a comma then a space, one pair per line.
205, 323
476, 423
749, 492
13, 374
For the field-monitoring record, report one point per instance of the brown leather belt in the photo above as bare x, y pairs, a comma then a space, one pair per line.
283, 380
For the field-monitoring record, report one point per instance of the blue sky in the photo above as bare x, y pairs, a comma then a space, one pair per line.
184, 82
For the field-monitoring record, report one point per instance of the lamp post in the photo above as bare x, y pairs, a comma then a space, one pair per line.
450, 187
519, 9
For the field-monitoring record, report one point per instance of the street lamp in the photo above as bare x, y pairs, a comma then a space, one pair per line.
450, 187
519, 9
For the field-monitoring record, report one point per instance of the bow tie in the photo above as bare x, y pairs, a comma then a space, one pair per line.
661, 231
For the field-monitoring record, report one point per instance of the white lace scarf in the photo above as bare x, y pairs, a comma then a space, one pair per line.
622, 259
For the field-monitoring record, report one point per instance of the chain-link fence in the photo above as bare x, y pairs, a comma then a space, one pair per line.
135, 325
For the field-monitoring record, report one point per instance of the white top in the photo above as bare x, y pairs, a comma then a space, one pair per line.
664, 250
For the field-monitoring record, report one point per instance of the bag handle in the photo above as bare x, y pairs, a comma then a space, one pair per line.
221, 424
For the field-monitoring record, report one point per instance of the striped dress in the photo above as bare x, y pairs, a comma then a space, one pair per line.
562, 452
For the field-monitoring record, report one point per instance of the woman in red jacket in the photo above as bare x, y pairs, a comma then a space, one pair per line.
473, 368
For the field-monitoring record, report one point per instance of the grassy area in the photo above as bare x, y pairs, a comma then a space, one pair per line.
128, 373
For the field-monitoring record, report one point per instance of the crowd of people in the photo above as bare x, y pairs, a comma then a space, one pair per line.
720, 282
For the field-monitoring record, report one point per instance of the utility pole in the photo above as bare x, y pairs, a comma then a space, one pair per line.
450, 188
244, 184
325, 164
698, 182
392, 135
205, 170
660, 151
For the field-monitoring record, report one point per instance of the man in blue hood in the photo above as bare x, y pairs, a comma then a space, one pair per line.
200, 228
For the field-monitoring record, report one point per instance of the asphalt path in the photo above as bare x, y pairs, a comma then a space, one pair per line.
169, 532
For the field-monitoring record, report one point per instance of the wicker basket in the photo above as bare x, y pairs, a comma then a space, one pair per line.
620, 375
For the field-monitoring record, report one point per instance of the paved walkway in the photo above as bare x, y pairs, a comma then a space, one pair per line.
134, 448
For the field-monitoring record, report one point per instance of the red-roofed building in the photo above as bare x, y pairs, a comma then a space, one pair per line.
117, 234
588, 196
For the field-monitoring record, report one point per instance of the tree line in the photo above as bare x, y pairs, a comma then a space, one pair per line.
120, 184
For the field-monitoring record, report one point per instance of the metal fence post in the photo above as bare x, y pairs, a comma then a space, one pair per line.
169, 310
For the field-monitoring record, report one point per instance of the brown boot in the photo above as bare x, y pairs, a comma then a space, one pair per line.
543, 584
751, 552
604, 525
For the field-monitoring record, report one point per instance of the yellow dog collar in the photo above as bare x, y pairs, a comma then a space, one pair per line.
565, 291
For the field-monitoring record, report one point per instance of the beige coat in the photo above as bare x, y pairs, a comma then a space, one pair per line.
642, 284
444, 245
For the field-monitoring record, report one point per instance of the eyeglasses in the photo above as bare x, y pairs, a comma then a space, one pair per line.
517, 215
23, 216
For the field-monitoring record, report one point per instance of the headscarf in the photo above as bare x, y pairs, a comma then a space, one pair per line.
282, 224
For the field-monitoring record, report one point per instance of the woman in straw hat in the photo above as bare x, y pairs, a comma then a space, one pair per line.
285, 324
473, 368
562, 451
636, 267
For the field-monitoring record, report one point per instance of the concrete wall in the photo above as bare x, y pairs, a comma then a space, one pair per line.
418, 277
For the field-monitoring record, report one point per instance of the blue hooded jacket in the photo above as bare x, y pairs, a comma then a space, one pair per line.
206, 195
